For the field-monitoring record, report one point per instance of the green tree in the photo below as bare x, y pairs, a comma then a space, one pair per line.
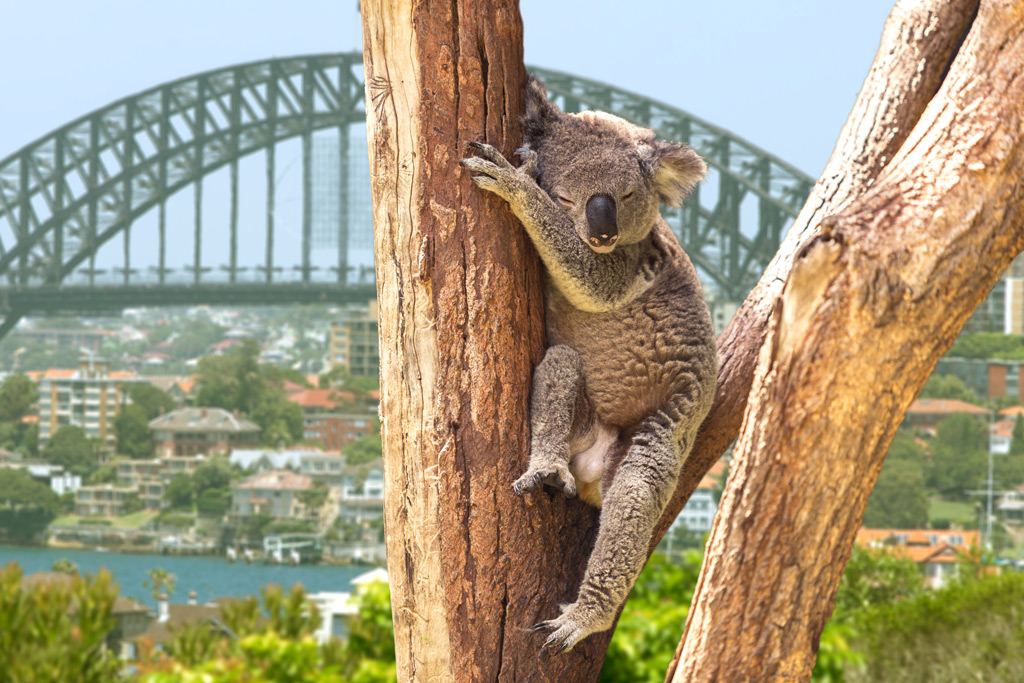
948, 386
26, 506
876, 576
70, 448
215, 502
988, 345
237, 381
160, 582
153, 400
57, 631
363, 450
131, 428
17, 396
959, 455
214, 473
899, 499
179, 492
647, 634
1017, 442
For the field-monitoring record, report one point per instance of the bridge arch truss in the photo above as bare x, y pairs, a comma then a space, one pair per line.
67, 197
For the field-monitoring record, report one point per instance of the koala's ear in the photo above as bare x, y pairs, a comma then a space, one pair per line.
674, 170
541, 112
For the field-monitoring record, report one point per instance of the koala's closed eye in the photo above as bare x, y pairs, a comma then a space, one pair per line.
631, 370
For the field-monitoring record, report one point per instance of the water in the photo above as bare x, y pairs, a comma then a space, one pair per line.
209, 576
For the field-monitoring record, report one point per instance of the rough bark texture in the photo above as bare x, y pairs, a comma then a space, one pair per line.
472, 567
918, 43
870, 303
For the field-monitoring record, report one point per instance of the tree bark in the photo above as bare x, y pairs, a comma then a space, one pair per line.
872, 300
471, 566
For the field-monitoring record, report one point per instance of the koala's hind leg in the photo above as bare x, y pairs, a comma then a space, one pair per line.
633, 503
560, 416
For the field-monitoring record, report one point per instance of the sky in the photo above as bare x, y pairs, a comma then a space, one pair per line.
782, 74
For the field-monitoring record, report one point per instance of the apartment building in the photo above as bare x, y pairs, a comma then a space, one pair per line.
274, 493
102, 500
89, 397
354, 344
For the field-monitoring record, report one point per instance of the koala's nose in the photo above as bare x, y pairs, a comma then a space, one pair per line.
602, 220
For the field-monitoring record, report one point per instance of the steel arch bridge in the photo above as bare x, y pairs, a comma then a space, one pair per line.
71, 198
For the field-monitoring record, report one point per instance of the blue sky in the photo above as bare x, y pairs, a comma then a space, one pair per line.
782, 74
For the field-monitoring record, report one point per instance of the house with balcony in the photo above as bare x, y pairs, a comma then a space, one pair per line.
362, 491
194, 431
103, 500
274, 493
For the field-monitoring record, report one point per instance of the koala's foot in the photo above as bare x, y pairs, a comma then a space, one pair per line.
576, 623
553, 474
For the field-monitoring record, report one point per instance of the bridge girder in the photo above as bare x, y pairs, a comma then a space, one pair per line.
65, 195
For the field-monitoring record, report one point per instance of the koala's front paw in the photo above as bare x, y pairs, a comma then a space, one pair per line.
575, 624
497, 174
558, 476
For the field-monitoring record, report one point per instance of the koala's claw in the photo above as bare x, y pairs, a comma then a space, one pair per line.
490, 153
566, 633
557, 476
529, 160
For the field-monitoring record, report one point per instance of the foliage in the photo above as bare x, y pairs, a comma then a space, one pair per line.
17, 396
947, 386
959, 459
314, 498
26, 506
214, 502
153, 400
214, 473
364, 450
56, 631
290, 526
131, 428
64, 566
964, 632
648, 631
160, 581
131, 503
874, 576
279, 646
255, 527
178, 520
237, 381
70, 448
107, 474
988, 345
899, 499
178, 492
1017, 441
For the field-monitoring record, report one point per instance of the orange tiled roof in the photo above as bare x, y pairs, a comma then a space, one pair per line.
315, 398
1012, 411
943, 406
122, 374
707, 483
187, 384
1004, 428
59, 373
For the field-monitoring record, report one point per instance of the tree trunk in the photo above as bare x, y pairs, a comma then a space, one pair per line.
472, 566
874, 296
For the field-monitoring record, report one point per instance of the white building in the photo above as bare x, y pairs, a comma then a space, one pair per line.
700, 509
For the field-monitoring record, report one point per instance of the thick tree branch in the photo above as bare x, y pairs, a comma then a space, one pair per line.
870, 305
919, 41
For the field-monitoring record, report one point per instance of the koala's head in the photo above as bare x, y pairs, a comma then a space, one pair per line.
609, 175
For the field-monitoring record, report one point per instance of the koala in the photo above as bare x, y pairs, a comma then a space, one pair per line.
631, 367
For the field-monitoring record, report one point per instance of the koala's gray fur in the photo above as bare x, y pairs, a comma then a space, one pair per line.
631, 368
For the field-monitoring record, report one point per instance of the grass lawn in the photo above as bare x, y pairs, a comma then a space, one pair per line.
951, 510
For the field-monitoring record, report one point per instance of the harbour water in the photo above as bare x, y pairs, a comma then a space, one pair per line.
209, 576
